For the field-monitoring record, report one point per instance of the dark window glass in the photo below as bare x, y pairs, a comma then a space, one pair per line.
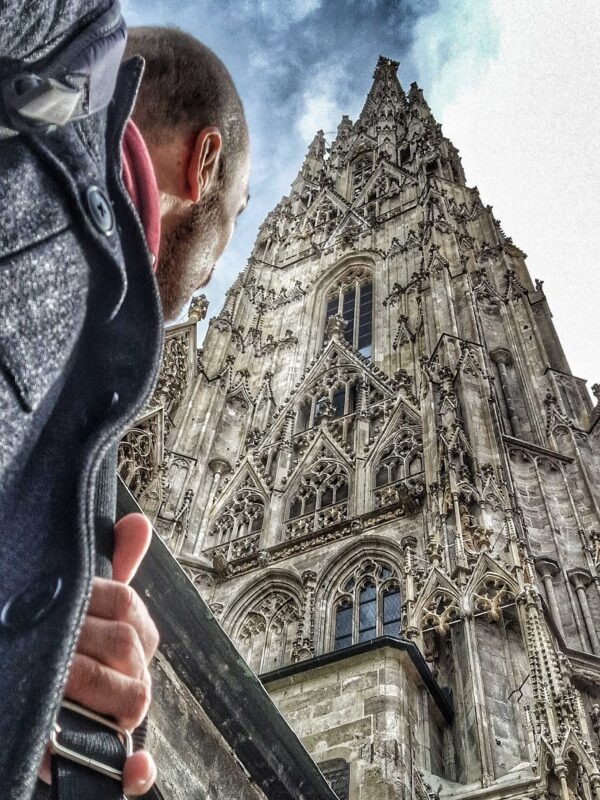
332, 307
296, 508
391, 612
352, 305
257, 523
326, 498
341, 492
381, 476
343, 627
339, 399
310, 504
348, 314
365, 316
404, 155
367, 614
352, 399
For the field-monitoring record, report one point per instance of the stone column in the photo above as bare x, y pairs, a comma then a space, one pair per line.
581, 579
218, 469
502, 358
547, 569
409, 545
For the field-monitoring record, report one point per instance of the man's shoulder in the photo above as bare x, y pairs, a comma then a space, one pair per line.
31, 30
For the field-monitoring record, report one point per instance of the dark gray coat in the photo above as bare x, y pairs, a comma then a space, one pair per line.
80, 343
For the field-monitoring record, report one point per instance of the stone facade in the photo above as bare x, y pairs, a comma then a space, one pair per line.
384, 480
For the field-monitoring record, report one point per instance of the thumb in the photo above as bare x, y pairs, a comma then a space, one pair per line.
132, 534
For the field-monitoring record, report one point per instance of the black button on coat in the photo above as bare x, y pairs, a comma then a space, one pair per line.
80, 325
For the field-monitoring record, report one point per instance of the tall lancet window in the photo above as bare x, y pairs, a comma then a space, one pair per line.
352, 298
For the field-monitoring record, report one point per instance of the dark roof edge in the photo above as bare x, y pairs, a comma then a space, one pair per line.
379, 643
230, 694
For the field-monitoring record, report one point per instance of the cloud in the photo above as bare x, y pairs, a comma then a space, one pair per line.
320, 103
526, 118
280, 13
452, 47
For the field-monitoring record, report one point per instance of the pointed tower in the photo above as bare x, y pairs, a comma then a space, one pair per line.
390, 479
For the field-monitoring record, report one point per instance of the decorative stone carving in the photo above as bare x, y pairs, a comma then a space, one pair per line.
141, 452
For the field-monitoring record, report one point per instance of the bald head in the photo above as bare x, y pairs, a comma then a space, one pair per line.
186, 88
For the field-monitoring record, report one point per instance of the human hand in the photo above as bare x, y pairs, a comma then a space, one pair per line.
109, 673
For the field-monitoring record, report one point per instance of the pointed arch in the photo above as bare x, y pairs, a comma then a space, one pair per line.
319, 492
237, 519
490, 588
350, 296
395, 466
437, 605
335, 365
263, 620
331, 592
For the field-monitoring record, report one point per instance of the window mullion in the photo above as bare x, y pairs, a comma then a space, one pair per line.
313, 406
356, 317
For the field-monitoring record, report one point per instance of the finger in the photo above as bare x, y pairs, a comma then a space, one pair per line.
115, 601
139, 773
108, 692
132, 535
44, 768
113, 643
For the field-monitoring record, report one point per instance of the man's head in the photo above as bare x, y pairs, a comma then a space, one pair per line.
192, 120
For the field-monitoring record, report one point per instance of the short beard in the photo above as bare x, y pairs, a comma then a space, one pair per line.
187, 255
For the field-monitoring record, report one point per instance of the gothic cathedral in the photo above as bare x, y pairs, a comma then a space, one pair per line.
384, 480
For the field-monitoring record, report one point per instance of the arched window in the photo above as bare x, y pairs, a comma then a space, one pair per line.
320, 500
399, 468
362, 168
241, 519
367, 604
339, 400
266, 635
352, 298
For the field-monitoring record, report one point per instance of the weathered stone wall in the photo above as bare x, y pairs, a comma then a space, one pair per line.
193, 759
370, 711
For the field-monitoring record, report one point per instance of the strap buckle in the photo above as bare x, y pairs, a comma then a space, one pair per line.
85, 761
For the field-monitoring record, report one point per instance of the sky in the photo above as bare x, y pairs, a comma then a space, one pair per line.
515, 84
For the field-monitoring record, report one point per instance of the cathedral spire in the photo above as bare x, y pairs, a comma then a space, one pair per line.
385, 90
416, 101
313, 162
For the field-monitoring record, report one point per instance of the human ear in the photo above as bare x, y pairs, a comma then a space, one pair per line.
203, 162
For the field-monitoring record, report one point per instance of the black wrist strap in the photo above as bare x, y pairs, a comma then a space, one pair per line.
86, 737
72, 781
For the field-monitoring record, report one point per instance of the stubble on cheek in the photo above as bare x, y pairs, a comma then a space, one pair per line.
186, 260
